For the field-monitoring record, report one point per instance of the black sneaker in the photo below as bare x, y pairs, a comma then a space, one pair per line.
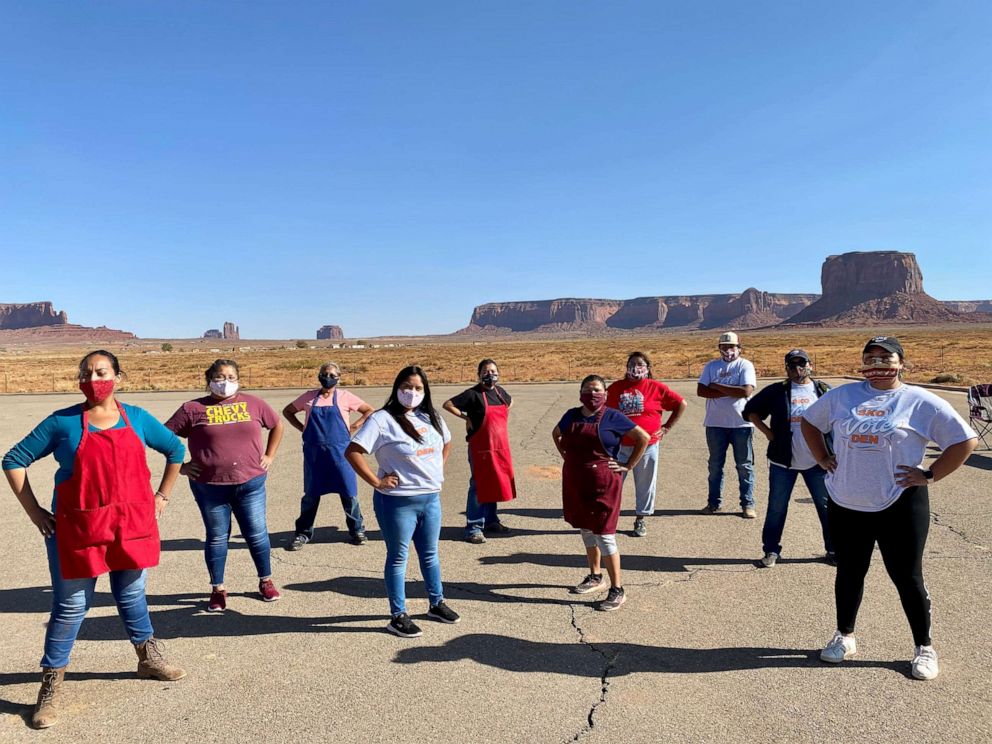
710, 509
590, 583
442, 613
358, 538
614, 599
298, 541
404, 627
497, 528
640, 529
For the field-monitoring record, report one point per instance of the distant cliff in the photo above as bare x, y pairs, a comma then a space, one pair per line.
750, 309
861, 288
30, 315
328, 332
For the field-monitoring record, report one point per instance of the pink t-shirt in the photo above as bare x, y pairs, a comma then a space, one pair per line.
347, 402
225, 436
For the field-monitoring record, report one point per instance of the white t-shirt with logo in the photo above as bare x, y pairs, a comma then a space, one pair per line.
801, 397
877, 430
726, 412
419, 465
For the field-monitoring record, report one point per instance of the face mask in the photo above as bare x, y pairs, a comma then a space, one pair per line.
880, 368
410, 398
327, 381
729, 355
489, 379
223, 388
593, 399
637, 372
97, 390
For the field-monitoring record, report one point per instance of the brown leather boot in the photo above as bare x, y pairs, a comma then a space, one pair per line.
152, 665
46, 709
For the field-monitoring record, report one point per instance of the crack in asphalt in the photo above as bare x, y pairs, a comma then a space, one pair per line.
938, 520
604, 678
275, 556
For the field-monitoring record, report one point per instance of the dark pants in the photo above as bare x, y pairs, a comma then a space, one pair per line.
901, 532
308, 514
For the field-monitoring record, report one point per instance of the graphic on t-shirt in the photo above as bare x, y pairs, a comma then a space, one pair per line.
867, 428
631, 403
800, 402
227, 413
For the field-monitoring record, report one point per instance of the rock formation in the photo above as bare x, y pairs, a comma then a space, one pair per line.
968, 306
38, 321
231, 331
213, 333
327, 332
862, 288
750, 309
30, 315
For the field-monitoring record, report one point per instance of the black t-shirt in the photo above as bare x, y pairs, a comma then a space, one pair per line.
470, 402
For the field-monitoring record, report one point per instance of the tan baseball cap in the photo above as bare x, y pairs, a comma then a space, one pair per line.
729, 338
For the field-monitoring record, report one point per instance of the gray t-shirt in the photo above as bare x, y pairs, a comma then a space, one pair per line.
419, 465
877, 430
726, 412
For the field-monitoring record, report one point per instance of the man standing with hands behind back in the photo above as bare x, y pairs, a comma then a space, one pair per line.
726, 384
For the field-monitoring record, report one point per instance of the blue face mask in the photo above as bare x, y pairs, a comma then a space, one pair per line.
327, 381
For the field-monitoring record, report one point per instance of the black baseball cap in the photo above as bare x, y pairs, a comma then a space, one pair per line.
797, 354
889, 343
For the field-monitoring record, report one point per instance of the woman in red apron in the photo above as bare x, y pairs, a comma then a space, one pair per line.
326, 433
485, 409
588, 438
103, 519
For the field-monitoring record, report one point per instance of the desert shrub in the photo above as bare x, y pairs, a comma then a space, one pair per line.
947, 378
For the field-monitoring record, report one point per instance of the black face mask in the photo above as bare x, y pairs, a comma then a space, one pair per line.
327, 381
489, 379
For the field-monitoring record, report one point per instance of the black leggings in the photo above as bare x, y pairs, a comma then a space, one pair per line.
901, 531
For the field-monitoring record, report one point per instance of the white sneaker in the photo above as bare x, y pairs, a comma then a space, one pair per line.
767, 560
840, 647
925, 663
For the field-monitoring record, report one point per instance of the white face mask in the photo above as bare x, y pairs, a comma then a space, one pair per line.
223, 388
410, 398
730, 354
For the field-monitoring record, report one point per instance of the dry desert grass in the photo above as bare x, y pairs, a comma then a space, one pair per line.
955, 351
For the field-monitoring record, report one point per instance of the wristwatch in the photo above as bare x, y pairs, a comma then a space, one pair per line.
928, 474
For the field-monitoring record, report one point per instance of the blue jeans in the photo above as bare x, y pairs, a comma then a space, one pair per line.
718, 438
402, 519
308, 514
477, 516
247, 502
645, 478
780, 484
71, 599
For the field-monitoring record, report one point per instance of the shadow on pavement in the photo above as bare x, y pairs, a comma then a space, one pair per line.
518, 655
664, 563
982, 462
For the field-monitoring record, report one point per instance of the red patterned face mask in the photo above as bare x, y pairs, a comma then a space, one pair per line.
97, 390
880, 373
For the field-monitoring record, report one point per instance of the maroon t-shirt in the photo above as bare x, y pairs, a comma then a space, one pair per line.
225, 436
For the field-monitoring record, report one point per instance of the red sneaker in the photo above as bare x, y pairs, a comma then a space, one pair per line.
218, 601
268, 590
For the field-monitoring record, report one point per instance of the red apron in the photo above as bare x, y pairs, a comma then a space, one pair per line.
590, 490
489, 448
105, 513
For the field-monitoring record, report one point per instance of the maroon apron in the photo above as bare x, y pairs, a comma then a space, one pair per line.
489, 447
590, 490
105, 513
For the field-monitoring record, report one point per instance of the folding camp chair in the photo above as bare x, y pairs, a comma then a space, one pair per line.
980, 412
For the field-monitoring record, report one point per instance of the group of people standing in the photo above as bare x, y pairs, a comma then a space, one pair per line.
859, 448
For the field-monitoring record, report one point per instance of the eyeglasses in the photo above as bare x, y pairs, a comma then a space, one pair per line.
333, 377
229, 378
797, 363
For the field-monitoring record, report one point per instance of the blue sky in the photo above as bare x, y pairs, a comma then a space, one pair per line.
386, 166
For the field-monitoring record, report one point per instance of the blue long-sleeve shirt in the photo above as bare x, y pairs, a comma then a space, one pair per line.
60, 433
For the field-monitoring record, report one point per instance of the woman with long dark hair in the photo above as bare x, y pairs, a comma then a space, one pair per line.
103, 517
485, 408
227, 472
877, 482
410, 443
